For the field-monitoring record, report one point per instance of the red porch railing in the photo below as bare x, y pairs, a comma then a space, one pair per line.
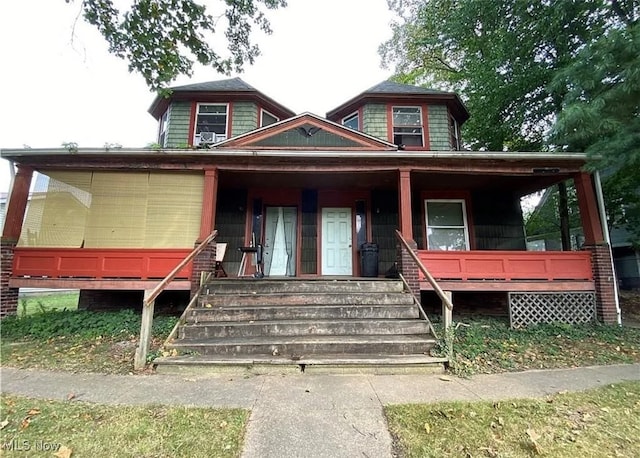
508, 265
99, 263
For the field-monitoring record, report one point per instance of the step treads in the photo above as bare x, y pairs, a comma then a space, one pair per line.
266, 285
239, 299
319, 359
277, 340
213, 329
314, 312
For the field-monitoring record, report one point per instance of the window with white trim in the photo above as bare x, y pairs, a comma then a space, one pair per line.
162, 136
407, 126
447, 228
211, 123
352, 121
454, 132
266, 118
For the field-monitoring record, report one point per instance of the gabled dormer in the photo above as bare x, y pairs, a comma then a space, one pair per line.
309, 132
412, 117
211, 112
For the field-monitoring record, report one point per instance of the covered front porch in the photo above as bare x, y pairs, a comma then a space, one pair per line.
312, 211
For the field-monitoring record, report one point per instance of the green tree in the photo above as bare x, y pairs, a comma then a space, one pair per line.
501, 56
529, 69
161, 39
601, 113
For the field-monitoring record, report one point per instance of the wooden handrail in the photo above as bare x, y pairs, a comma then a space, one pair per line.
183, 317
148, 302
171, 275
443, 297
420, 309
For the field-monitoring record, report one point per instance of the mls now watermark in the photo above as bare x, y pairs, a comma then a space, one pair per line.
16, 445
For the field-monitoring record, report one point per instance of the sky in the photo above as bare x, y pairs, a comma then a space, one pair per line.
60, 84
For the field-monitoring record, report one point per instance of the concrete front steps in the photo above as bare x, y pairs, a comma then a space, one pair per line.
338, 325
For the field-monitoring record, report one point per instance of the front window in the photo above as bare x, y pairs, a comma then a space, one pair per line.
267, 118
447, 228
352, 121
407, 126
211, 123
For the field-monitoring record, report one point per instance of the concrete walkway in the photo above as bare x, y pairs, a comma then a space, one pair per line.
309, 415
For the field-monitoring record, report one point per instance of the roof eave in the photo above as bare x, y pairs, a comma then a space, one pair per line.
160, 104
360, 99
16, 154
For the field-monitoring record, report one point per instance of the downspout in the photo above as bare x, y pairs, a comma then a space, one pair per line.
607, 239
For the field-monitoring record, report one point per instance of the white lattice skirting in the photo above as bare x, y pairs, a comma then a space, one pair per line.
527, 308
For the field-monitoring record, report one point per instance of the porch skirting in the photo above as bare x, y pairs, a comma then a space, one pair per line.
526, 308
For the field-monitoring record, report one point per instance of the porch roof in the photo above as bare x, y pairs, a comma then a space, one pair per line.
520, 172
21, 155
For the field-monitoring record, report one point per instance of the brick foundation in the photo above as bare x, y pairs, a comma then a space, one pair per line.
408, 268
605, 283
8, 296
204, 262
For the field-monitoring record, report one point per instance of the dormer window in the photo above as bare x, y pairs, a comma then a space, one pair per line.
352, 121
407, 126
211, 123
266, 118
162, 136
454, 132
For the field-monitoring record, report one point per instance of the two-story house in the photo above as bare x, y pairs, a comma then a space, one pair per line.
310, 191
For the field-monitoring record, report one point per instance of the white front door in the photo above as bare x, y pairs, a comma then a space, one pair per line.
336, 241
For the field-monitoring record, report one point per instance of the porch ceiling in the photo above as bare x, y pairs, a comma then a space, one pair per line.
420, 180
364, 180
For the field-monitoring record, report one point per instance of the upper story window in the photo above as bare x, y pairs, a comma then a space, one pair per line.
407, 126
454, 132
447, 227
162, 135
352, 121
266, 118
211, 123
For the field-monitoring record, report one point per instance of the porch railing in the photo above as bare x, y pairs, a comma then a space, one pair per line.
149, 302
99, 263
508, 265
445, 296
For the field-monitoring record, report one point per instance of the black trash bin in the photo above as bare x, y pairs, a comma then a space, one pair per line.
369, 260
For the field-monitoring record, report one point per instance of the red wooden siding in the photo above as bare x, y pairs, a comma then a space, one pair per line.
508, 265
99, 263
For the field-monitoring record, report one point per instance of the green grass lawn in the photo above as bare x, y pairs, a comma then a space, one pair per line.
44, 302
604, 422
32, 427
78, 341
488, 345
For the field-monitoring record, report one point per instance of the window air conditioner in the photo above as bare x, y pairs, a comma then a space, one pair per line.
207, 137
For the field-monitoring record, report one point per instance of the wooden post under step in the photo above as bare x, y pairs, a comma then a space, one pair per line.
146, 326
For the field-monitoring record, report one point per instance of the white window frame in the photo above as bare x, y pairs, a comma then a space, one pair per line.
394, 125
356, 115
163, 128
217, 137
454, 133
463, 203
262, 112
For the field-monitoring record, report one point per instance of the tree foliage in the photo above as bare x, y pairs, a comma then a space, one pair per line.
501, 56
161, 39
544, 75
601, 114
